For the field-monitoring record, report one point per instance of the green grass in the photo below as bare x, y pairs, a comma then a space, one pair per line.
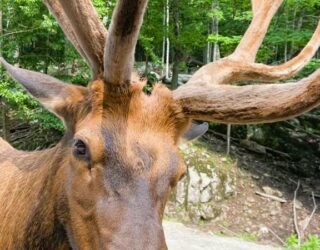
312, 243
248, 237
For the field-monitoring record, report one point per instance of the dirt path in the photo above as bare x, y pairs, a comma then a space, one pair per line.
180, 237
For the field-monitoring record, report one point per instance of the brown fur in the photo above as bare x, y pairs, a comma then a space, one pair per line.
27, 200
50, 200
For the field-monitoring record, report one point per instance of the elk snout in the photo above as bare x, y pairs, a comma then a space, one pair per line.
147, 235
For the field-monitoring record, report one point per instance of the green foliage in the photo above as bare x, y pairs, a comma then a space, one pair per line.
216, 13
103, 7
292, 242
148, 45
224, 40
228, 43
312, 66
26, 108
312, 243
32, 38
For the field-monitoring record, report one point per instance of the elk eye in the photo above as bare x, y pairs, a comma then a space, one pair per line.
80, 149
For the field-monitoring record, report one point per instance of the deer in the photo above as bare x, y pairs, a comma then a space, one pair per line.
106, 183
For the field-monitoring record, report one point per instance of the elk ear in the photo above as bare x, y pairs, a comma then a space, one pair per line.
195, 131
53, 94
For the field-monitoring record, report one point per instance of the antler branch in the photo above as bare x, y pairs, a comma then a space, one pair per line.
207, 97
250, 103
121, 42
81, 24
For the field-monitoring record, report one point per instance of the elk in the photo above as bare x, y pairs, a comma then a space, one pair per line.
105, 184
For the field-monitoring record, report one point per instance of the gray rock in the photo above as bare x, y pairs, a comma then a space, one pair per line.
298, 204
204, 187
194, 186
228, 186
181, 192
206, 195
205, 181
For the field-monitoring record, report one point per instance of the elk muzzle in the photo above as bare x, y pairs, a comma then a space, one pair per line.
135, 226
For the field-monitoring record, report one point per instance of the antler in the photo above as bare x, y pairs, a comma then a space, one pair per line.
207, 97
81, 24
121, 42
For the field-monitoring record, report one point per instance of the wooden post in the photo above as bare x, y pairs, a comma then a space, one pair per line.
167, 39
4, 119
228, 138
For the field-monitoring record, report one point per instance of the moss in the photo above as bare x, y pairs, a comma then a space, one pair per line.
204, 159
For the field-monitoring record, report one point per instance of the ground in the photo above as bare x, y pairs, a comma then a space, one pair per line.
244, 213
180, 237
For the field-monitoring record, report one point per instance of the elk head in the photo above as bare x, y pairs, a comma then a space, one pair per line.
121, 158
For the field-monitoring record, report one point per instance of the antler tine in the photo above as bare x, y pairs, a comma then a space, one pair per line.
229, 69
81, 24
207, 97
121, 42
263, 12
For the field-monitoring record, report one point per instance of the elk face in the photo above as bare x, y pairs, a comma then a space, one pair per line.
124, 162
121, 159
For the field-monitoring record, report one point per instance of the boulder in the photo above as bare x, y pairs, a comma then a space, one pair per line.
206, 184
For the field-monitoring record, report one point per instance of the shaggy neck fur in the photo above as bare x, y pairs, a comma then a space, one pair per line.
33, 208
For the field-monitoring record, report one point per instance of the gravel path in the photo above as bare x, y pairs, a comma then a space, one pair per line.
180, 237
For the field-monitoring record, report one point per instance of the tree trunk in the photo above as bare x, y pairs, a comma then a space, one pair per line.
296, 26
146, 70
285, 55
1, 30
46, 62
168, 58
167, 39
228, 138
175, 74
215, 30
208, 49
163, 58
286, 51
216, 52
5, 120
177, 53
213, 50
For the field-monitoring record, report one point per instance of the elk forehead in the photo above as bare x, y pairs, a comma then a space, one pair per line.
135, 124
133, 110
